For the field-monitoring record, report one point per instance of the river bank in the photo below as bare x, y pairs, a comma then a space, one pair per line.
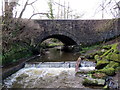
106, 72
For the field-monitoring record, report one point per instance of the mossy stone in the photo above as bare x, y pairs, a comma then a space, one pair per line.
101, 64
93, 82
113, 56
99, 75
107, 47
112, 64
90, 56
114, 46
97, 58
100, 52
108, 71
112, 50
88, 82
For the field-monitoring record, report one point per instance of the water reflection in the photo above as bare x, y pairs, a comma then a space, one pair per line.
56, 55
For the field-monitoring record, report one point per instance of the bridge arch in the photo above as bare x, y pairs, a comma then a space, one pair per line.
66, 38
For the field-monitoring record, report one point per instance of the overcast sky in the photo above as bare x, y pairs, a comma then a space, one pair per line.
90, 8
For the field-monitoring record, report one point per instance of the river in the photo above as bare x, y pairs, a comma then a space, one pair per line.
54, 69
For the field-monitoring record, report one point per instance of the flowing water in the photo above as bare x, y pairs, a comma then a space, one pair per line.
55, 69
56, 55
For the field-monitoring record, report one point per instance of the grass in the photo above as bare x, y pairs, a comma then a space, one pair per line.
55, 44
87, 48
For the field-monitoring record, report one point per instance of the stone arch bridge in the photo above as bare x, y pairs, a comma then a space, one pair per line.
73, 32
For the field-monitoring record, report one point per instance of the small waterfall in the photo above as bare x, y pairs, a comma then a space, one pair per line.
87, 64
51, 65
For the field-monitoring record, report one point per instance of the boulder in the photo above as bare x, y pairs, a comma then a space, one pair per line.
85, 69
102, 63
99, 75
113, 65
107, 47
94, 82
108, 71
97, 57
113, 57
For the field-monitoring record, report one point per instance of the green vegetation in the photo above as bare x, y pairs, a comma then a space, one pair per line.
86, 48
15, 53
45, 45
113, 64
88, 82
109, 61
108, 71
102, 63
52, 42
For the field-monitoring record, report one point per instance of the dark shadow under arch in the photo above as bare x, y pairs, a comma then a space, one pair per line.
64, 39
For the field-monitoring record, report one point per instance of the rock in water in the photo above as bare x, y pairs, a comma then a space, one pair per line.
95, 82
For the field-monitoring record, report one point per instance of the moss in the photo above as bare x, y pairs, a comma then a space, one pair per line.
108, 62
117, 52
113, 49
113, 64
54, 44
114, 46
101, 64
88, 82
106, 53
106, 87
97, 58
108, 71
113, 56
86, 48
107, 47
92, 72
92, 55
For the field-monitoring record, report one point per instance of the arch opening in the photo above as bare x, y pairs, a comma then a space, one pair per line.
64, 39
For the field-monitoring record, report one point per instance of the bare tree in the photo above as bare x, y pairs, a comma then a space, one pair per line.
111, 7
64, 11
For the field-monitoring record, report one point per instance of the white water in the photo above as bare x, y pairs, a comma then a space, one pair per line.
39, 77
47, 75
67, 64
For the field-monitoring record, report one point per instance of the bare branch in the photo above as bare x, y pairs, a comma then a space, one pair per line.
23, 9
36, 14
15, 14
33, 8
32, 2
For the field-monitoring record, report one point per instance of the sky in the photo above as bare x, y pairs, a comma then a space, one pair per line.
90, 9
